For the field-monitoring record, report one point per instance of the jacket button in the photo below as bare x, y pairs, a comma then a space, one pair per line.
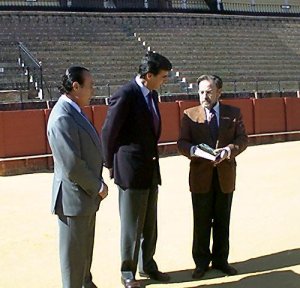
154, 158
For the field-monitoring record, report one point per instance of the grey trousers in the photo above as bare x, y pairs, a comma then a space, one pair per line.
138, 214
76, 243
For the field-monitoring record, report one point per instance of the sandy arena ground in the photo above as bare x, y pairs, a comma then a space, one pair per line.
265, 233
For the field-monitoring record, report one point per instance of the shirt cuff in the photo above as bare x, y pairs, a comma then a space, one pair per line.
228, 152
102, 187
192, 151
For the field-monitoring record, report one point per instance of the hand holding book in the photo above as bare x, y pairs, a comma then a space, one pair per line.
205, 151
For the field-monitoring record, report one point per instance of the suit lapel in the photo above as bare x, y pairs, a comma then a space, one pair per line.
81, 121
144, 106
203, 119
224, 121
87, 127
155, 99
200, 115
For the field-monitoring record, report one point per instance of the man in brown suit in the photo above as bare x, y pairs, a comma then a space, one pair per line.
212, 182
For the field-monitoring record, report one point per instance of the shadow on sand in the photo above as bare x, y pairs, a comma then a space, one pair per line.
275, 279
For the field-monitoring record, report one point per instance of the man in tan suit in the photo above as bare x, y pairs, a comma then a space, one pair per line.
212, 182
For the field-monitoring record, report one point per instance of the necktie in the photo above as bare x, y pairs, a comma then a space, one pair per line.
155, 119
213, 126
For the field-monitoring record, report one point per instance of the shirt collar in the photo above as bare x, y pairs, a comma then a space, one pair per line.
216, 108
65, 98
144, 89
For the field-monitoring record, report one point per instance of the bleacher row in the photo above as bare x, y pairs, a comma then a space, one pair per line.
247, 52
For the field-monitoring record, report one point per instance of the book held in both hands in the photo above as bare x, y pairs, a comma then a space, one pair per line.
205, 151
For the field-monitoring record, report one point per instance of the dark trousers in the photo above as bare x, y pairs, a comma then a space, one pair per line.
76, 243
211, 212
138, 214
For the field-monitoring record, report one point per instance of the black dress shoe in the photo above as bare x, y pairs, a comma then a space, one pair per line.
130, 283
156, 275
226, 268
199, 272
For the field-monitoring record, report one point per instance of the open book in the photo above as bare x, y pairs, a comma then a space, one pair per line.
207, 152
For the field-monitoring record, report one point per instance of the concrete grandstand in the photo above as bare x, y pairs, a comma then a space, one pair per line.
251, 54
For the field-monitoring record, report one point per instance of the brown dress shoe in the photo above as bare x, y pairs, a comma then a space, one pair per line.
130, 283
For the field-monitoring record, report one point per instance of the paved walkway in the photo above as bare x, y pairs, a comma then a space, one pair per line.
265, 233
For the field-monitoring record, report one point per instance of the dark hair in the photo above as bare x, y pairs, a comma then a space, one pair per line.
152, 63
72, 74
212, 78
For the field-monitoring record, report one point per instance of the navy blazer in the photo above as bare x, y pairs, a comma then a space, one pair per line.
129, 142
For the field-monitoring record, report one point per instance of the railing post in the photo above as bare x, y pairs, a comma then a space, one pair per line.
28, 77
108, 89
41, 80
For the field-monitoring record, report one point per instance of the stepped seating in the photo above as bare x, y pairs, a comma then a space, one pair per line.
247, 52
11, 74
244, 50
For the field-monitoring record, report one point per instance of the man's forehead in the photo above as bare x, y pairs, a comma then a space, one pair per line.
163, 72
205, 84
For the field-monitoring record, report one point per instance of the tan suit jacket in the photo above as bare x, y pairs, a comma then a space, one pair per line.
195, 130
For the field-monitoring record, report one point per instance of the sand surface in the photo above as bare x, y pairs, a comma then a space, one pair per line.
265, 227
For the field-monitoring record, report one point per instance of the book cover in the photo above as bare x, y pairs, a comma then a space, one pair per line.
205, 151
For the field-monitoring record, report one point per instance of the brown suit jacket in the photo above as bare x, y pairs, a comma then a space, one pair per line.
195, 130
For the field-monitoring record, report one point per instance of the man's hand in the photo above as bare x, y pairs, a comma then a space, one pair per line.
104, 191
223, 155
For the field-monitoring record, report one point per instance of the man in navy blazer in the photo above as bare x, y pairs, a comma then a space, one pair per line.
129, 137
78, 187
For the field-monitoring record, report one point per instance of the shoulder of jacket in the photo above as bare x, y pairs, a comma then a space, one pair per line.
126, 91
191, 111
231, 109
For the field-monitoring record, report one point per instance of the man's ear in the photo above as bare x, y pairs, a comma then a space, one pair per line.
148, 76
219, 92
75, 86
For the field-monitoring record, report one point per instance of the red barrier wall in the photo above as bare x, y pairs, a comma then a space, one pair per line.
269, 115
170, 121
292, 113
88, 112
47, 114
99, 114
246, 106
22, 133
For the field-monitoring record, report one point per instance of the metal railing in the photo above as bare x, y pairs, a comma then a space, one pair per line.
33, 70
169, 92
260, 8
96, 5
